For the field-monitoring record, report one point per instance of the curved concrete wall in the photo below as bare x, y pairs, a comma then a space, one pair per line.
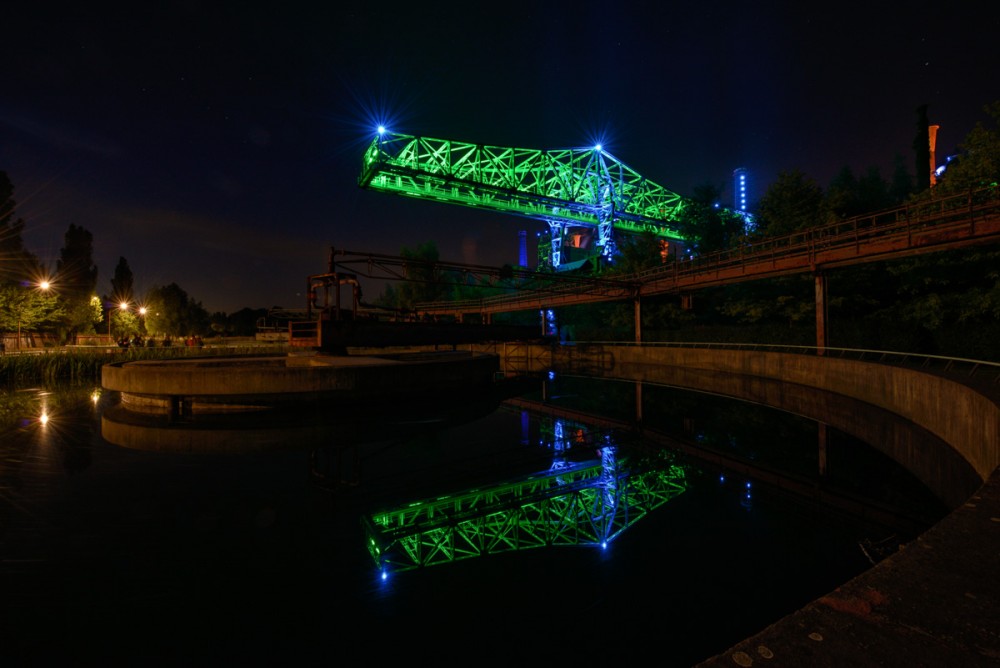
273, 377
960, 416
956, 413
934, 602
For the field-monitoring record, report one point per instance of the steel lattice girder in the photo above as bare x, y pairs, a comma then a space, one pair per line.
582, 187
581, 505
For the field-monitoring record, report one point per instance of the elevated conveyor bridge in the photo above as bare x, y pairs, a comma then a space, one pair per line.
947, 223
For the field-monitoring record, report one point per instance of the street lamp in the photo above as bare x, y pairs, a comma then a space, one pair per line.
44, 286
142, 325
123, 306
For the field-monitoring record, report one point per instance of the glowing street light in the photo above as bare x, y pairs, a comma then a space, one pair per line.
43, 285
122, 306
142, 322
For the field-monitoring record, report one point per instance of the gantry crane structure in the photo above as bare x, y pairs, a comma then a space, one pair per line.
586, 502
588, 198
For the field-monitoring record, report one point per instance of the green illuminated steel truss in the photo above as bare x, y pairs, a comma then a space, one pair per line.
564, 187
581, 504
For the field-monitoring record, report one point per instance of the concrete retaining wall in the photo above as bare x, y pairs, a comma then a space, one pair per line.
276, 379
957, 414
933, 603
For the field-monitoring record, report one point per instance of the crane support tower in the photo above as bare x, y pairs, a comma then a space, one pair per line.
587, 197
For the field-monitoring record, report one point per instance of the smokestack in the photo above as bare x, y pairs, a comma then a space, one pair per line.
932, 138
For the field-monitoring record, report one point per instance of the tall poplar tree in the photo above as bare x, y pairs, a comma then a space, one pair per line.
16, 263
76, 279
122, 283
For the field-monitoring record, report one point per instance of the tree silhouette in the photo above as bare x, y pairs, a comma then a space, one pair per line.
76, 276
122, 283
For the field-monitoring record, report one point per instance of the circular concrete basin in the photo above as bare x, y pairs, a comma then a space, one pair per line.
213, 384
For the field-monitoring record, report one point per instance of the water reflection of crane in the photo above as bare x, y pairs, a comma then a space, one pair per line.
579, 500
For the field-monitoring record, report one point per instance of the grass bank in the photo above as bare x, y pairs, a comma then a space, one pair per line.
84, 363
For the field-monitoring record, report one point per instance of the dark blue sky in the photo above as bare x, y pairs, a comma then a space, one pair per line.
217, 145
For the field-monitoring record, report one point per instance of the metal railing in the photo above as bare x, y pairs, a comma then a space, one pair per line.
902, 224
905, 222
304, 333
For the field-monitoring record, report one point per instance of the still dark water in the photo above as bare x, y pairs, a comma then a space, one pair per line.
197, 551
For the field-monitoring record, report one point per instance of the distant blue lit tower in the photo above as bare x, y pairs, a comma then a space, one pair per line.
741, 189
741, 198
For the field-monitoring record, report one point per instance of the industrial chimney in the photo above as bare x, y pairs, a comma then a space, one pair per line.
932, 139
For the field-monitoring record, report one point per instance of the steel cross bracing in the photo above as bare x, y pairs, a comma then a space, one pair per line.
583, 503
562, 187
516, 280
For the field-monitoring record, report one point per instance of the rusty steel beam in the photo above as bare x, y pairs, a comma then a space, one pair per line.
904, 232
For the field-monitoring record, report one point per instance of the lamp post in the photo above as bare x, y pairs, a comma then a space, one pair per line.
44, 286
123, 306
142, 325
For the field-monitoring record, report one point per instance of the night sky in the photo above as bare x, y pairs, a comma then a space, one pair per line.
218, 145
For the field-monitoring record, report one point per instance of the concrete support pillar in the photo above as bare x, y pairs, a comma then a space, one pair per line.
177, 407
638, 319
687, 302
822, 449
821, 313
336, 280
638, 402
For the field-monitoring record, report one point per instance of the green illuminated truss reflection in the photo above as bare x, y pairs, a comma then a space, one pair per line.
584, 503
566, 187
